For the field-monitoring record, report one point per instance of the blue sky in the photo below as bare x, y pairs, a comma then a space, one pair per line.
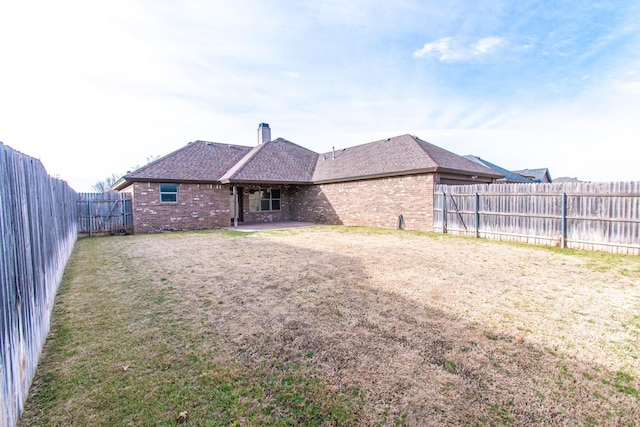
93, 88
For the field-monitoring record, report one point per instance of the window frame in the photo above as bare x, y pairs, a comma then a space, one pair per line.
257, 204
165, 192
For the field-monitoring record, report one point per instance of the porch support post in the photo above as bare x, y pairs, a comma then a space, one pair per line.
235, 206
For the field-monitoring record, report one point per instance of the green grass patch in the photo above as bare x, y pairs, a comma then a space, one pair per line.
624, 383
333, 326
502, 412
377, 231
120, 353
233, 233
628, 265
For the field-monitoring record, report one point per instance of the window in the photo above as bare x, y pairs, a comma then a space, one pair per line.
264, 199
168, 193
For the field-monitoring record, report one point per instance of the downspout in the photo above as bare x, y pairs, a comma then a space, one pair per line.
235, 206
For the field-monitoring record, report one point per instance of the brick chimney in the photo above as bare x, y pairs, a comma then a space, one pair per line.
264, 133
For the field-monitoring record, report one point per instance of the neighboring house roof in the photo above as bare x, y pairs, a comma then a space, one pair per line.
566, 179
508, 175
541, 174
197, 161
277, 161
281, 161
399, 155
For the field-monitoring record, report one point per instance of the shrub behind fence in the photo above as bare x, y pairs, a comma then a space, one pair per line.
38, 229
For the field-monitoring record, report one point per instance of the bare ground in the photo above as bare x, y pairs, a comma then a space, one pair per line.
432, 330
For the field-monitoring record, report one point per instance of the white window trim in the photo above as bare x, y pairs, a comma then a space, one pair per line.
168, 192
270, 199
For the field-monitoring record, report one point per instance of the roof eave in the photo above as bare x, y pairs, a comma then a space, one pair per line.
263, 181
120, 184
470, 173
436, 169
375, 176
126, 181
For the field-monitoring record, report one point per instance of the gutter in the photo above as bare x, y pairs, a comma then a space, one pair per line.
226, 179
124, 181
470, 174
120, 184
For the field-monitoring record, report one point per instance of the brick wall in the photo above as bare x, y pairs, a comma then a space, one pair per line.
267, 216
199, 206
373, 202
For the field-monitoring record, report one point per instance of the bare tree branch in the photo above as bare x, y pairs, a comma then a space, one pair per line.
104, 186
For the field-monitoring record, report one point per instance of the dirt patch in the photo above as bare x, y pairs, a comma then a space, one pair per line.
429, 329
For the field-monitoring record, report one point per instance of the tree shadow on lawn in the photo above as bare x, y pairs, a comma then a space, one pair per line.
415, 364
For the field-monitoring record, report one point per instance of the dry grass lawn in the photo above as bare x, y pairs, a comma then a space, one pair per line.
337, 325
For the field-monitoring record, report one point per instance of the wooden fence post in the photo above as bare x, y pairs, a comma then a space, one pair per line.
124, 218
444, 212
477, 214
90, 218
563, 225
599, 216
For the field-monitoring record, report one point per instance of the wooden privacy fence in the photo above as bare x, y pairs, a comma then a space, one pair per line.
594, 216
104, 213
38, 229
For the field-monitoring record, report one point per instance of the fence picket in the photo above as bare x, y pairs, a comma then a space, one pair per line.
603, 216
104, 213
38, 229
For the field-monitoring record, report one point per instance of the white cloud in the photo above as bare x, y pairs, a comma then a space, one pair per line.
487, 45
448, 49
95, 88
441, 48
591, 137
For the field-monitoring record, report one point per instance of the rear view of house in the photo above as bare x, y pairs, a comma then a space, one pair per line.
207, 185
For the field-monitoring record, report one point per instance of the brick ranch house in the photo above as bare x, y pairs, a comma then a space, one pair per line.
207, 185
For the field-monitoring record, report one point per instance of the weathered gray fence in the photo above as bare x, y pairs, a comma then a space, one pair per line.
38, 229
104, 213
594, 216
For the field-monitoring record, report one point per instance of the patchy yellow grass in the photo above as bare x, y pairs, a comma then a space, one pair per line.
403, 328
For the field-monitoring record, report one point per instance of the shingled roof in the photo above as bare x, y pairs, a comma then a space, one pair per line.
399, 155
508, 175
197, 161
281, 161
277, 161
540, 175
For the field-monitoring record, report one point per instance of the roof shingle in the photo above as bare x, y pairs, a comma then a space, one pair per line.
197, 161
541, 174
277, 161
281, 161
508, 175
392, 156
